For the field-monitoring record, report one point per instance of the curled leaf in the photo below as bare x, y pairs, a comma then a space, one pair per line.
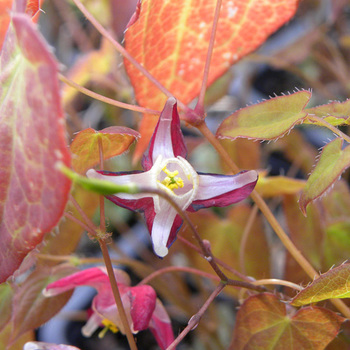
332, 162
267, 120
333, 284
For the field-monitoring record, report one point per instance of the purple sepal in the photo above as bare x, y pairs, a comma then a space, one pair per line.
174, 230
224, 199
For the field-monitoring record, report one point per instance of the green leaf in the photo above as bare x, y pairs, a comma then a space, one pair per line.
333, 284
263, 323
267, 120
332, 162
114, 140
335, 113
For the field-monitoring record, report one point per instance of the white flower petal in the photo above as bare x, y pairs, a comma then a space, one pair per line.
215, 185
162, 224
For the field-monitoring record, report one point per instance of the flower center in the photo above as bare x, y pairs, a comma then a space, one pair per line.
172, 181
108, 326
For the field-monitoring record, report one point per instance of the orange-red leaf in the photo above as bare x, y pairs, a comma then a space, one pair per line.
263, 323
85, 146
333, 284
170, 39
33, 193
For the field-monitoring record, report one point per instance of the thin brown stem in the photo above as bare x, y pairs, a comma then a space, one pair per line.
245, 236
83, 225
102, 198
105, 99
116, 294
218, 261
87, 220
205, 248
200, 104
194, 320
178, 269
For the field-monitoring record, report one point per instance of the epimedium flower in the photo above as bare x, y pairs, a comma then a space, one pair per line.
142, 307
165, 168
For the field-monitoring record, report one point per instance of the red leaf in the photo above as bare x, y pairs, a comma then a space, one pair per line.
170, 39
33, 193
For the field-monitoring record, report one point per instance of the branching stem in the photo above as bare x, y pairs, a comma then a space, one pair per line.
194, 320
289, 245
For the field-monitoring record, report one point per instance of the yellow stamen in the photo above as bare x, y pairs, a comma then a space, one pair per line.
171, 180
108, 326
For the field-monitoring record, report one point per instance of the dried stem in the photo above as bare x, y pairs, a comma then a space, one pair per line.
105, 99
194, 320
200, 104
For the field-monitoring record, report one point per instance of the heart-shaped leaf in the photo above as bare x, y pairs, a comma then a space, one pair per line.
333, 284
267, 120
263, 323
332, 162
170, 39
32, 140
114, 140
